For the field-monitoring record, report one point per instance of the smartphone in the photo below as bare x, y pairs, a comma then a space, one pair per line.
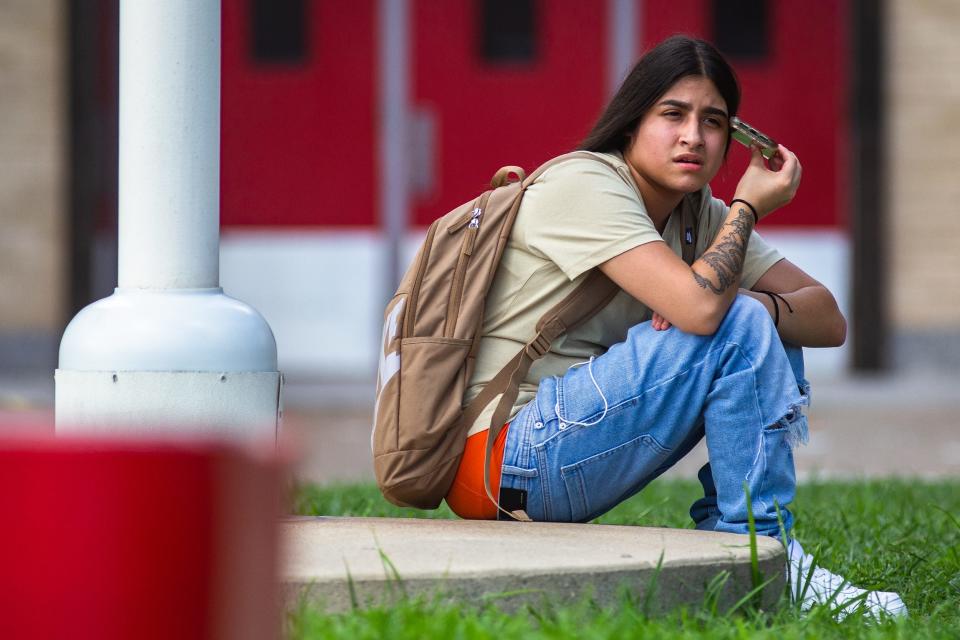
748, 136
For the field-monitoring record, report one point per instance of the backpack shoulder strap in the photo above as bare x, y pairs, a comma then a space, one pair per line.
496, 386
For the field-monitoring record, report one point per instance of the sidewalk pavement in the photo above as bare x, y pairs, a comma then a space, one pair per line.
903, 424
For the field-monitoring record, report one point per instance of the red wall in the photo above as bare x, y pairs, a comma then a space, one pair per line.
300, 144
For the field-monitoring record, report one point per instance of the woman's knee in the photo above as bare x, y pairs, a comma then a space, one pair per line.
750, 315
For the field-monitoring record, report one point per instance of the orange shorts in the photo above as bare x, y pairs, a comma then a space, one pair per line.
466, 497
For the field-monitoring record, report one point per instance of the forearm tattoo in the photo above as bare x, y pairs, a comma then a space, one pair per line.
726, 257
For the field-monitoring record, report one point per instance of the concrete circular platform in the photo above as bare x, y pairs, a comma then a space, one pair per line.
515, 563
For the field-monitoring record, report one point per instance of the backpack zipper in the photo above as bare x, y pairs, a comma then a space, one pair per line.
460, 272
467, 219
471, 218
410, 314
456, 289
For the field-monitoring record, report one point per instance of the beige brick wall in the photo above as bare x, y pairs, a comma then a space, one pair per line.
32, 165
924, 155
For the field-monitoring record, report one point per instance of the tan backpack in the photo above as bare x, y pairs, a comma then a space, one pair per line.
431, 334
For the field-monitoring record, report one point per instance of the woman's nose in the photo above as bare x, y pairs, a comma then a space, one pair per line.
691, 133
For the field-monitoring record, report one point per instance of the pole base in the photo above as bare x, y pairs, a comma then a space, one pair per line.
239, 407
179, 361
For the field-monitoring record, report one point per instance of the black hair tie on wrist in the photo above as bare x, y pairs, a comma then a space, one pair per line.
756, 218
776, 306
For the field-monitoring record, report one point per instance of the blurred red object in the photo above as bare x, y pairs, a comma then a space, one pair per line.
107, 539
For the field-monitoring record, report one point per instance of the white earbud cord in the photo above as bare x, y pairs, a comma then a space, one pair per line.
556, 406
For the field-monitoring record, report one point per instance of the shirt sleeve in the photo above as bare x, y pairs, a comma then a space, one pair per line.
760, 254
581, 213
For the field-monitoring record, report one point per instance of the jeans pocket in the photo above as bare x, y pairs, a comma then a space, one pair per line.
602, 481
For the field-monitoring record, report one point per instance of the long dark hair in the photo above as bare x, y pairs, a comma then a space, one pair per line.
675, 58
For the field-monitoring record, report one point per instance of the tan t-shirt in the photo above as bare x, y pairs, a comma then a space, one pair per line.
577, 215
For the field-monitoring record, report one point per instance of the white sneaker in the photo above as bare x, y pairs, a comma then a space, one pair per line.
825, 587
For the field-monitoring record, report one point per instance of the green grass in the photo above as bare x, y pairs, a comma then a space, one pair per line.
895, 535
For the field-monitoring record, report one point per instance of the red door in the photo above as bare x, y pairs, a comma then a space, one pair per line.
484, 103
298, 113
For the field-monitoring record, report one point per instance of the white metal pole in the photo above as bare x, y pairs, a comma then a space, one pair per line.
623, 28
169, 181
168, 353
394, 69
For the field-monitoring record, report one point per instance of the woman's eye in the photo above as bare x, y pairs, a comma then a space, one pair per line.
713, 122
672, 114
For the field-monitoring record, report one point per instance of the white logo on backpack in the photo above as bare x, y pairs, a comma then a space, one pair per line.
389, 362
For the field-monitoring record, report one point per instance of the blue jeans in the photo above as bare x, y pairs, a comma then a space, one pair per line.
578, 452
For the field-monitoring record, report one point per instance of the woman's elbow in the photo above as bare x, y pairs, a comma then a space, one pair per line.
697, 329
701, 324
831, 333
839, 331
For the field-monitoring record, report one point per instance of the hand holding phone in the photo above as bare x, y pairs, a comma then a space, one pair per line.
769, 182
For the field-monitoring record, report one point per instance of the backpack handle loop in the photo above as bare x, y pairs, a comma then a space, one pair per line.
504, 174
